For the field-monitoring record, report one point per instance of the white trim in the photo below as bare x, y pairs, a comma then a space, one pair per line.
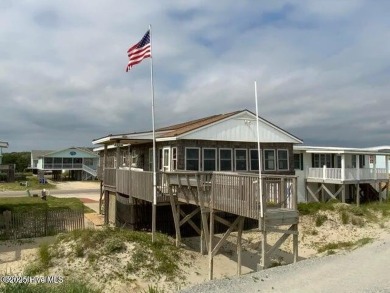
173, 168
275, 160
246, 158
231, 158
185, 157
166, 139
288, 163
215, 158
167, 148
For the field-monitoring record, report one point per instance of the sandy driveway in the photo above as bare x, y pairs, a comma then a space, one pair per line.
365, 269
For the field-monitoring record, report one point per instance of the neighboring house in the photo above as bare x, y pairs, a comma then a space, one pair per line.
380, 160
226, 142
3, 144
347, 174
7, 171
81, 163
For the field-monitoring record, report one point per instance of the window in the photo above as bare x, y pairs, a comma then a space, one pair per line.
254, 160
174, 158
338, 161
361, 161
282, 159
209, 159
298, 162
240, 156
269, 160
225, 160
192, 159
319, 160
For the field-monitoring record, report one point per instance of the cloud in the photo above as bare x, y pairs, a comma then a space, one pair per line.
322, 68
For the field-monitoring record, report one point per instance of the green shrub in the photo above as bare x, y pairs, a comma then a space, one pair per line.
344, 217
44, 255
79, 250
320, 220
112, 245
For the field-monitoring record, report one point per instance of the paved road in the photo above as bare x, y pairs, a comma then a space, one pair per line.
363, 270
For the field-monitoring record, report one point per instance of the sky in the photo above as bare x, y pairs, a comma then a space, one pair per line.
322, 68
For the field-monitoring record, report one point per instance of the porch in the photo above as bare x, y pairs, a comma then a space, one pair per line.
346, 175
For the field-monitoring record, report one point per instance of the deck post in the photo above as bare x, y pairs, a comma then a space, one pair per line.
295, 243
101, 197
106, 206
343, 193
282, 192
211, 261
132, 212
358, 194
239, 244
175, 212
263, 261
203, 246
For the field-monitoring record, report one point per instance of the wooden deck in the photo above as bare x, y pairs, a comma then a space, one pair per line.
213, 192
237, 194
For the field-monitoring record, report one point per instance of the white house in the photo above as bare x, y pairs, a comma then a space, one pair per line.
348, 174
81, 163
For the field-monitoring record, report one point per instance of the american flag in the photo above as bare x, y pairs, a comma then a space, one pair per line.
139, 51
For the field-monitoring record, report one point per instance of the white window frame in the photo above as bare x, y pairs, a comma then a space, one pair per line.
288, 163
215, 158
246, 159
164, 167
264, 161
174, 159
250, 159
185, 158
231, 158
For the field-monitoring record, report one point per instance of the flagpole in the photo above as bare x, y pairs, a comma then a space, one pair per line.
259, 154
154, 142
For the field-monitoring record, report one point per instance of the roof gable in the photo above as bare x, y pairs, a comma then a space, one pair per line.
233, 126
236, 126
73, 152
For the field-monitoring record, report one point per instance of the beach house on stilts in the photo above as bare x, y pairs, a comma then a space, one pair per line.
208, 168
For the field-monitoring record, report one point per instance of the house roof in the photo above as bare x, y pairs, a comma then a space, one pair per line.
343, 150
188, 129
181, 128
36, 154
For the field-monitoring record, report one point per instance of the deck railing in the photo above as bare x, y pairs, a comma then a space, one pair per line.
109, 177
138, 184
235, 193
239, 193
349, 174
